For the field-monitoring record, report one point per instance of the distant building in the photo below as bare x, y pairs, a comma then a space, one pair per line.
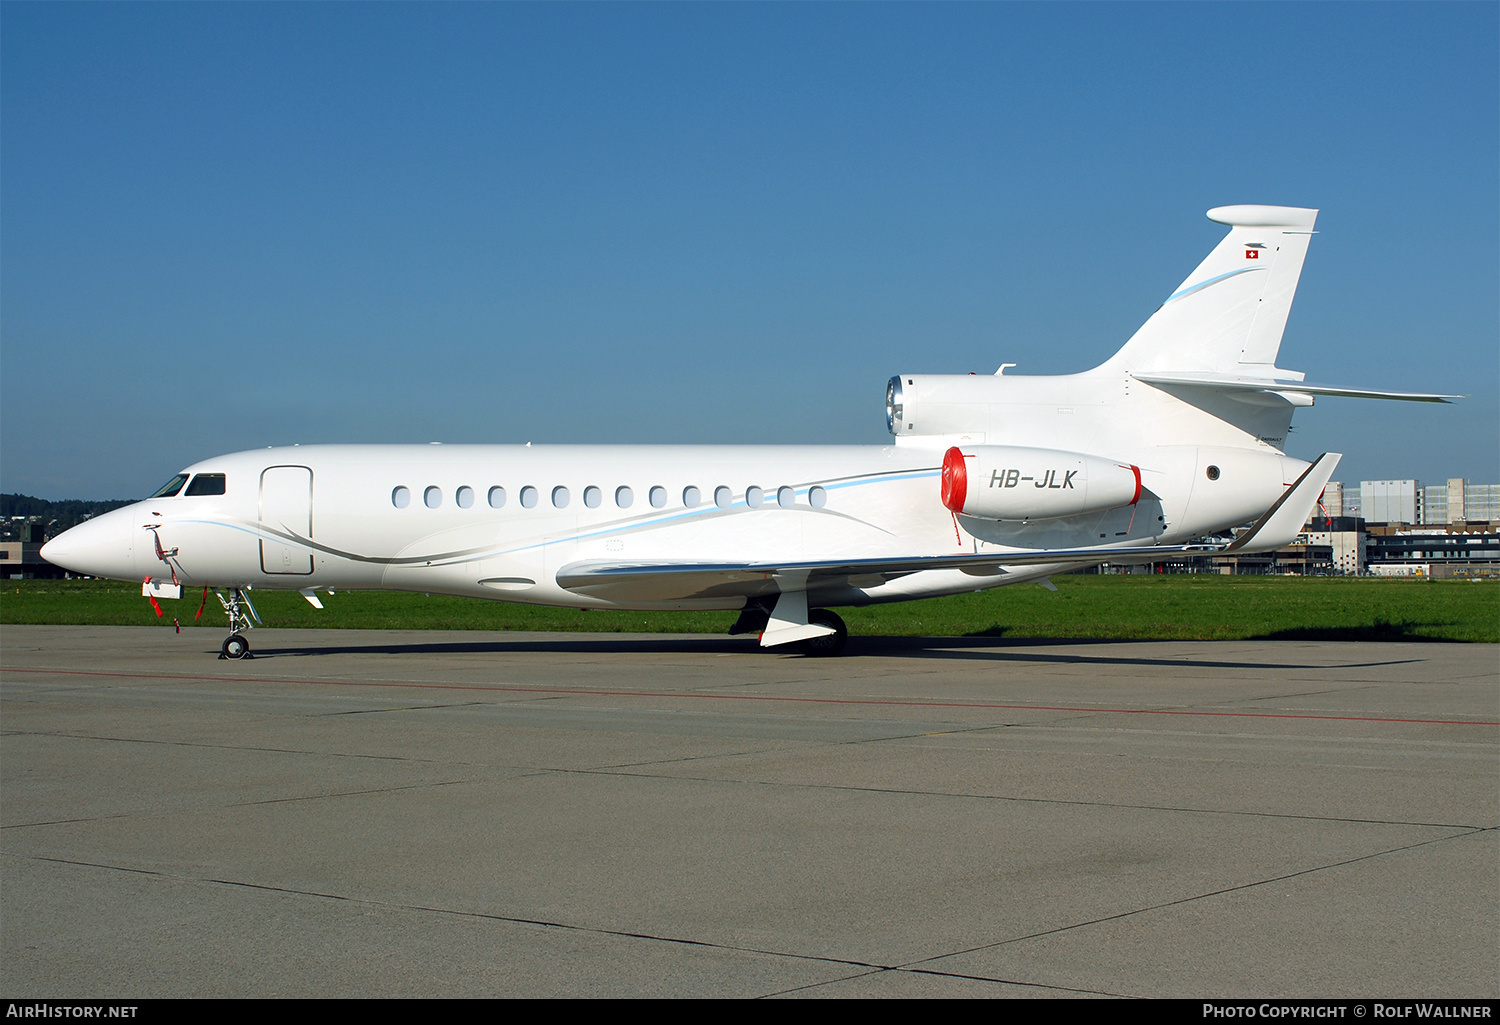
22, 560
1390, 501
1333, 499
1454, 551
1460, 502
1481, 503
1346, 549
1401, 528
1443, 503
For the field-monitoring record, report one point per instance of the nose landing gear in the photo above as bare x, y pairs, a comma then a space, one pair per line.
236, 645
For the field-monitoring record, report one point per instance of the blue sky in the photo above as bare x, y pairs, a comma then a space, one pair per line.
228, 226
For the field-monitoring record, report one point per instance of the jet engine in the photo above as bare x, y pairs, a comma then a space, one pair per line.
996, 482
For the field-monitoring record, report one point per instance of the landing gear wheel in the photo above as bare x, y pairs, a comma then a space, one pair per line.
828, 644
235, 646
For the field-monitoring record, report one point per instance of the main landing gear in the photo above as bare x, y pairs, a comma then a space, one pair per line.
756, 618
829, 644
236, 645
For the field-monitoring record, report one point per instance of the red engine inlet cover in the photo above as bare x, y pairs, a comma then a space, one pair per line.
955, 480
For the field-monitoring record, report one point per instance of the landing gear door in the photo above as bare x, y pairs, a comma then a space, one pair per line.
286, 510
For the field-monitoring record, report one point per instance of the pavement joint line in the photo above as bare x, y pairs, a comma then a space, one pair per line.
819, 985
1093, 662
1471, 827
91, 864
402, 708
487, 916
1203, 896
980, 728
349, 793
871, 968
1421, 743
1365, 685
678, 761
913, 967
65, 822
224, 747
1009, 982
946, 975
681, 695
527, 772
542, 923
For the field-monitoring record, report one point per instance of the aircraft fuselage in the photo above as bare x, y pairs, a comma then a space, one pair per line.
501, 521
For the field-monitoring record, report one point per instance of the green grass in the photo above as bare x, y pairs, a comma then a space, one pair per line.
1102, 607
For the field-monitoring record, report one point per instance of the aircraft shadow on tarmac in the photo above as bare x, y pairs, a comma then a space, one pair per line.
971, 648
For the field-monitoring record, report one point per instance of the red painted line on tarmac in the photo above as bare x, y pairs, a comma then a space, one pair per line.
582, 692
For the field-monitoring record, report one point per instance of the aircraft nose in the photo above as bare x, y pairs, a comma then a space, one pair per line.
101, 547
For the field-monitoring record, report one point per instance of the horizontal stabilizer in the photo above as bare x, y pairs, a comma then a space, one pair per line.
1232, 382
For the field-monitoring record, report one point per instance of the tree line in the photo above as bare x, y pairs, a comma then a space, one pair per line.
58, 516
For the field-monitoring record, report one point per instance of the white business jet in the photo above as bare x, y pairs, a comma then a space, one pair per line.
996, 480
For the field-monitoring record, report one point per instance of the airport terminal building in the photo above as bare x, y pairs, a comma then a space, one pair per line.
1405, 528
1379, 528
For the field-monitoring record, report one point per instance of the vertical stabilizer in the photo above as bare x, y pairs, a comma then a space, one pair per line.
1229, 315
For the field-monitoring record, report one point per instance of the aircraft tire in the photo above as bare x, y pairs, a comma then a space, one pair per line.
235, 646
829, 644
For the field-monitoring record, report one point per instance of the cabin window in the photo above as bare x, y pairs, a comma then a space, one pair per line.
432, 497
560, 497
658, 496
817, 497
497, 497
401, 497
464, 496
206, 484
723, 497
624, 497
528, 497
592, 497
171, 487
691, 496
786, 497
754, 497
1213, 473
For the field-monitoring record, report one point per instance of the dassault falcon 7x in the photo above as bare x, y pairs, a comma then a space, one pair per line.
1177, 438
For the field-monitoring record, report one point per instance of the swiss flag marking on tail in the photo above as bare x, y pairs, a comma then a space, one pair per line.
1252, 254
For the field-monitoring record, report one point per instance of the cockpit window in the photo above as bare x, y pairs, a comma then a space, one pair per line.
206, 484
171, 487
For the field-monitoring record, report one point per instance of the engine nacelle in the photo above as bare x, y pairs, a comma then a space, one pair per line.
996, 482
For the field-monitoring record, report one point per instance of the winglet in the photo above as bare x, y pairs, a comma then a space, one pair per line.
1283, 521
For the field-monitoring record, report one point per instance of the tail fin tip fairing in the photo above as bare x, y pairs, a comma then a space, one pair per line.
1230, 313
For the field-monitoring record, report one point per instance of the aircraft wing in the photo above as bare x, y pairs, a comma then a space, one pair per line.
1231, 382
679, 581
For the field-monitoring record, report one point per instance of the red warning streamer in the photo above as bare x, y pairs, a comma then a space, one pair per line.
154, 604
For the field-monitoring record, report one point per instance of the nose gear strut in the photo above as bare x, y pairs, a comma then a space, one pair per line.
235, 645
